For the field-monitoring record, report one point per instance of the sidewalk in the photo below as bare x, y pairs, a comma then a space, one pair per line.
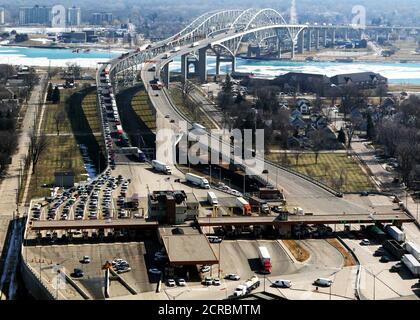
9, 184
382, 177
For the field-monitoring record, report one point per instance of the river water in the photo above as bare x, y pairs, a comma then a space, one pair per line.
395, 72
54, 57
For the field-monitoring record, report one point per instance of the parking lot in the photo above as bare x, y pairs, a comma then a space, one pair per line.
69, 257
378, 280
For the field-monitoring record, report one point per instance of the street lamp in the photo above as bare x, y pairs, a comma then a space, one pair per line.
374, 280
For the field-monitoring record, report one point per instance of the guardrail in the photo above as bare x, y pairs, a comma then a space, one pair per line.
359, 268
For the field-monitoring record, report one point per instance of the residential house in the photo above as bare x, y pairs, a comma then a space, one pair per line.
366, 80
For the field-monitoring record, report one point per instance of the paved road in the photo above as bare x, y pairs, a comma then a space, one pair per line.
9, 184
299, 192
383, 177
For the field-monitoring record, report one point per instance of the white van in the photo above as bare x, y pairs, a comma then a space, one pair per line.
323, 282
282, 283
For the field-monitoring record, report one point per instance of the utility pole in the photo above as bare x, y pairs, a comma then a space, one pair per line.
244, 182
210, 175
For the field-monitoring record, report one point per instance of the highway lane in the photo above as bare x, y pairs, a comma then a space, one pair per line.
299, 192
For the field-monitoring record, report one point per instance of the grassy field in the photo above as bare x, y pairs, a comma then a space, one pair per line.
80, 120
62, 154
197, 116
141, 106
336, 170
49, 124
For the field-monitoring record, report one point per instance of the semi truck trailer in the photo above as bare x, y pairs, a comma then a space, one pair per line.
395, 233
161, 167
243, 206
412, 264
413, 249
212, 199
197, 180
265, 259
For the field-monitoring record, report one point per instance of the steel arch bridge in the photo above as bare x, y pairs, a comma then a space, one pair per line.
266, 22
225, 30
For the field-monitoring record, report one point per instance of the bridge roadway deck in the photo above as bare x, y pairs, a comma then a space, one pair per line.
204, 221
314, 219
92, 224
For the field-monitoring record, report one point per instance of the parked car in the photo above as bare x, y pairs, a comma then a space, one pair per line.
155, 271
216, 282
171, 283
78, 273
181, 282
282, 283
85, 259
365, 242
323, 282
232, 276
208, 281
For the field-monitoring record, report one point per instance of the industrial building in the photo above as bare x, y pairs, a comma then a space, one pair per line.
172, 207
74, 16
2, 16
73, 37
100, 18
35, 15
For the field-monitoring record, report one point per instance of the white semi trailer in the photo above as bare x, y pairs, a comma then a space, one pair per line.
412, 264
161, 167
197, 180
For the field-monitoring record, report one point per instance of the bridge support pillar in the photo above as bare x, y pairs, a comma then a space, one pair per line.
217, 64
166, 75
202, 64
301, 42
292, 53
309, 40
325, 38
184, 67
333, 39
346, 34
317, 40
233, 64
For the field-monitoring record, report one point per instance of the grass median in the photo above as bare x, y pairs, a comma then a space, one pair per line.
337, 170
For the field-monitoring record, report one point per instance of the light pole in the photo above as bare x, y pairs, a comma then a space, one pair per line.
374, 280
244, 182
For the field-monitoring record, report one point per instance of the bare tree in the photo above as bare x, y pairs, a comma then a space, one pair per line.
318, 141
381, 92
187, 87
59, 117
406, 154
37, 145
297, 154
349, 129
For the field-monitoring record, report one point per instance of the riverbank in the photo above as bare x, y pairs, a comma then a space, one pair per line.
51, 57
